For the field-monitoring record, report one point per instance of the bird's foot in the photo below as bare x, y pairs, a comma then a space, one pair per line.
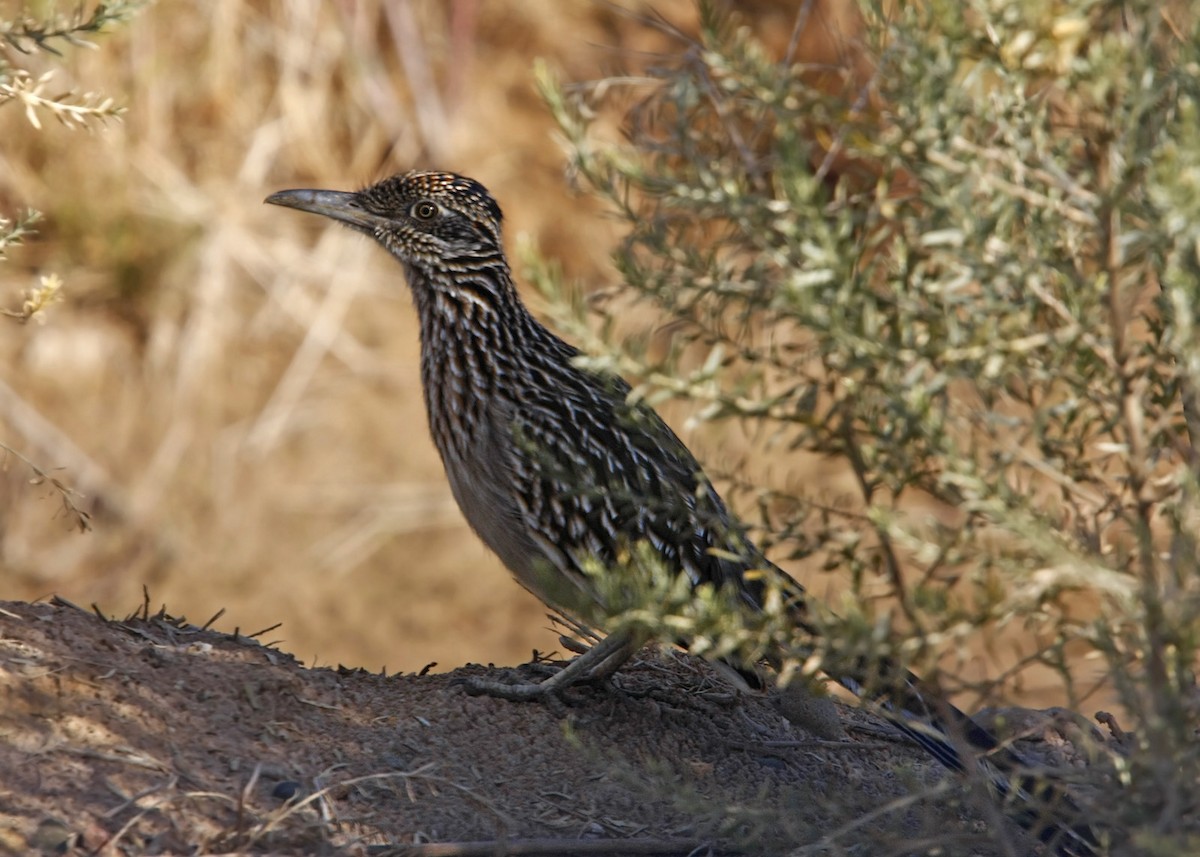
517, 691
597, 663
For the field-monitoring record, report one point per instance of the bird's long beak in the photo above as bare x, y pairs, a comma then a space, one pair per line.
335, 204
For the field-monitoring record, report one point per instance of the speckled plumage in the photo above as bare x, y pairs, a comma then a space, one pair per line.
546, 461
551, 464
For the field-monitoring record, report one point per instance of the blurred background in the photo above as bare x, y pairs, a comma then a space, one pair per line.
233, 388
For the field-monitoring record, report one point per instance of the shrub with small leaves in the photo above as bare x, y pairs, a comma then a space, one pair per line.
972, 277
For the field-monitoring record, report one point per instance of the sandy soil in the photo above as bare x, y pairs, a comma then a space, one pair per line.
151, 736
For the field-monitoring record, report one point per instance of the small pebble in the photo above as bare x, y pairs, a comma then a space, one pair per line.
52, 837
286, 790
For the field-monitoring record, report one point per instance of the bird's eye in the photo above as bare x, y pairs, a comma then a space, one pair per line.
425, 210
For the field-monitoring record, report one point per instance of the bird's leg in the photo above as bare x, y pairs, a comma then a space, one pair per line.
600, 661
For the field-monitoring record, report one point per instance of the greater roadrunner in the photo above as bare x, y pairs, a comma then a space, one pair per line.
552, 464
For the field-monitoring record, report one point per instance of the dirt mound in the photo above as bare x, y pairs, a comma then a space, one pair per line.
151, 736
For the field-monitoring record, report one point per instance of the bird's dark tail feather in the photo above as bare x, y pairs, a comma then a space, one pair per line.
1039, 805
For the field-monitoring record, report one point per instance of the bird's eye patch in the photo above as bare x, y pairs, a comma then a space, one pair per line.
425, 210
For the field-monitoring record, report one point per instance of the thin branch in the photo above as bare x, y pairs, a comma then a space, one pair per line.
67, 495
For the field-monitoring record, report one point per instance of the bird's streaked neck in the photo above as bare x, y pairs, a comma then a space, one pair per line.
469, 318
479, 294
